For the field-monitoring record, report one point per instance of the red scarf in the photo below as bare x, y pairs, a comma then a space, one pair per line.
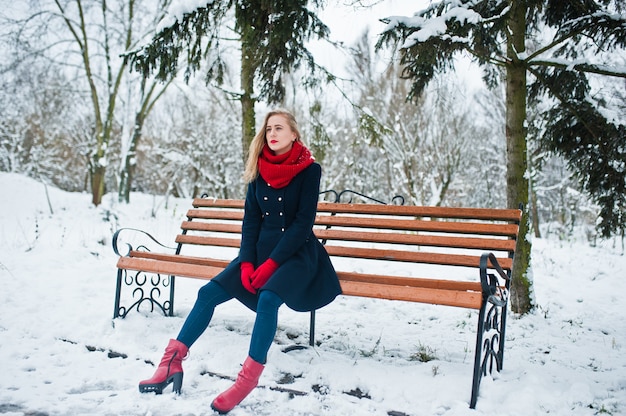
279, 170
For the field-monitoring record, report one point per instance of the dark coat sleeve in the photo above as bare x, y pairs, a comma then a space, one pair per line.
299, 230
251, 226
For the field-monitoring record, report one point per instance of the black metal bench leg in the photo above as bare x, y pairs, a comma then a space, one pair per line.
171, 306
118, 294
478, 359
490, 350
502, 336
312, 329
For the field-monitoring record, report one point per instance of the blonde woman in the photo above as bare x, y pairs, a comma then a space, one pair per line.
280, 260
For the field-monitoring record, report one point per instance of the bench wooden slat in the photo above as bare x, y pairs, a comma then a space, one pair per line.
206, 214
411, 281
513, 215
168, 267
218, 203
470, 300
179, 258
416, 239
208, 241
506, 230
219, 227
412, 256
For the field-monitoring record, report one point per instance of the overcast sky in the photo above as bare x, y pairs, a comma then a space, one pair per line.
348, 22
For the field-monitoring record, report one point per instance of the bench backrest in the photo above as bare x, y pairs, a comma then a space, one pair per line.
356, 235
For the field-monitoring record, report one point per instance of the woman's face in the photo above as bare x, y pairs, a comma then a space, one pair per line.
279, 135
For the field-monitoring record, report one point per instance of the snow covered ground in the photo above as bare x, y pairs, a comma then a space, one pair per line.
62, 354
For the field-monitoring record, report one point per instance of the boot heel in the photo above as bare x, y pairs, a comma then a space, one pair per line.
178, 382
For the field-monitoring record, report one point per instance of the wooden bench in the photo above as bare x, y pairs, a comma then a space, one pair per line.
466, 255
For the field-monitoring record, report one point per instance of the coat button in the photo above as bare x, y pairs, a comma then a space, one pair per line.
267, 214
282, 229
280, 213
280, 198
265, 198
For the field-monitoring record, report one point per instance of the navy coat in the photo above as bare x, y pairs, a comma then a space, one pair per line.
278, 223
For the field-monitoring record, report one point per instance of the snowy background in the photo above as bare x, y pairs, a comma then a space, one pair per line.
62, 354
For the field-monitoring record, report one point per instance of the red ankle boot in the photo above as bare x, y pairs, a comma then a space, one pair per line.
247, 380
170, 370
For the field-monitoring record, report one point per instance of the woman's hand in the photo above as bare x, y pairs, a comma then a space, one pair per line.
247, 269
263, 273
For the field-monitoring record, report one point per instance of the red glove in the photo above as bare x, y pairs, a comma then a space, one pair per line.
247, 269
263, 273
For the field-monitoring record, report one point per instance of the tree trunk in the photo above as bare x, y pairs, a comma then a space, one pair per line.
126, 175
128, 170
534, 211
97, 182
517, 164
248, 118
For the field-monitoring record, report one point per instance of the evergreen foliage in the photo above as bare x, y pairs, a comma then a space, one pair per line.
570, 34
277, 32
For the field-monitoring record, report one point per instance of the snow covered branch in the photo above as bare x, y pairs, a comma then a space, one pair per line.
582, 67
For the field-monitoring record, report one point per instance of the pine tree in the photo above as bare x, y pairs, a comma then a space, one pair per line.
271, 37
570, 35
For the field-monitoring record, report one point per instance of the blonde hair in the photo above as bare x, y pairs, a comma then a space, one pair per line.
256, 146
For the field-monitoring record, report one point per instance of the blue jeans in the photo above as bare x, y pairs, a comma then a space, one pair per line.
265, 324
